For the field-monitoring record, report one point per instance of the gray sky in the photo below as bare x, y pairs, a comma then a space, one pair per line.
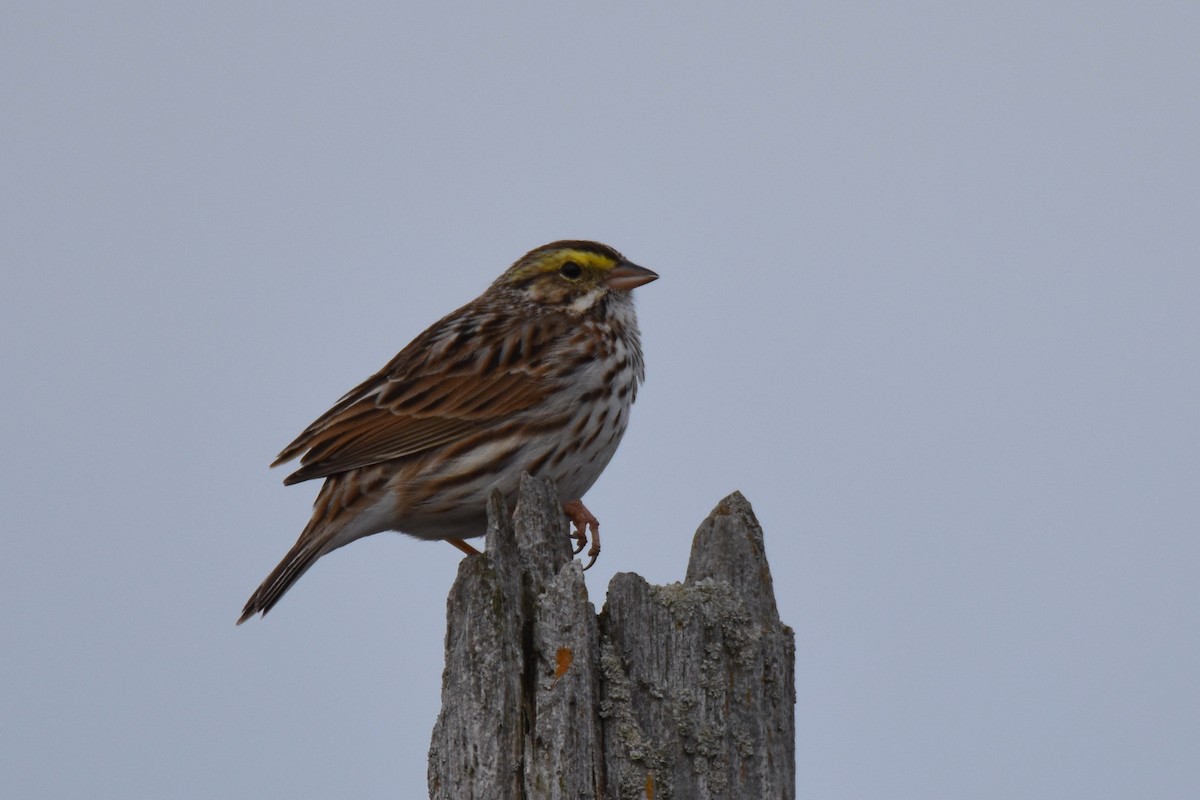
929, 298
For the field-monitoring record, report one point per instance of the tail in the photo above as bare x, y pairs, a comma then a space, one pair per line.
304, 553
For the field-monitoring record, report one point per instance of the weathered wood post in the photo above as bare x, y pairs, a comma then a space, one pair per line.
680, 692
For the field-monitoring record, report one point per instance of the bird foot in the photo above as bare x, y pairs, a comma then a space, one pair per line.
583, 519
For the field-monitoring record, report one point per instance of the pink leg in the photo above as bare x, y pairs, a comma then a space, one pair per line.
461, 545
577, 512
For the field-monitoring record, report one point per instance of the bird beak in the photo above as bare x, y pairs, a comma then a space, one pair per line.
626, 276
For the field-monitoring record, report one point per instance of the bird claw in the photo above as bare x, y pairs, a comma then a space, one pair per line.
581, 540
595, 549
583, 521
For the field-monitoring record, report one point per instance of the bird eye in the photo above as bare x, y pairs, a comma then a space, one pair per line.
570, 270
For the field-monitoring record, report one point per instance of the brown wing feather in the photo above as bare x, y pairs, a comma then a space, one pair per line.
437, 390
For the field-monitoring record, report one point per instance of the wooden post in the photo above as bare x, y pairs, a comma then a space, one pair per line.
674, 692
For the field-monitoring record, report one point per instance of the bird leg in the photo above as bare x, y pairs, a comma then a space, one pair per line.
462, 545
583, 519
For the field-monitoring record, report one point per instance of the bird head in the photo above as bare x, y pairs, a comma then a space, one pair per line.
573, 275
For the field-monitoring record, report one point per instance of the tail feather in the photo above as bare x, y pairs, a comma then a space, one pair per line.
302, 556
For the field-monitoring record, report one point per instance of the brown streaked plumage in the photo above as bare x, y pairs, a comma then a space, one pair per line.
535, 375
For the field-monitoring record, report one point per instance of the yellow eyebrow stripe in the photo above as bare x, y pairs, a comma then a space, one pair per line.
553, 260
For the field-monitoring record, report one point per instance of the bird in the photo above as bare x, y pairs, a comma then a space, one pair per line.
537, 375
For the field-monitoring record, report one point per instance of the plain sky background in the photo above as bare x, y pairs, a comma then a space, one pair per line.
930, 298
